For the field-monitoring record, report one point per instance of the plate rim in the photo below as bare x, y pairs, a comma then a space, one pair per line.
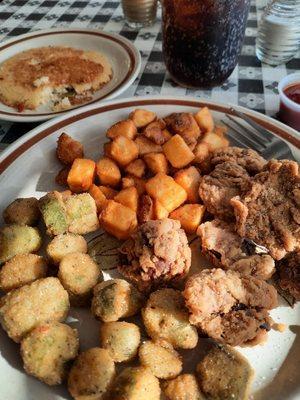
127, 45
25, 142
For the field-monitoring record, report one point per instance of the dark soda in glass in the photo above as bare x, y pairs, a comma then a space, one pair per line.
202, 39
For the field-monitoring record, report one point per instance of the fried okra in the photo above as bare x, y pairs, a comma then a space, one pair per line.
64, 244
22, 211
135, 383
81, 214
18, 239
54, 214
184, 387
217, 385
91, 375
21, 270
163, 361
47, 350
115, 299
68, 149
21, 310
121, 339
165, 317
78, 274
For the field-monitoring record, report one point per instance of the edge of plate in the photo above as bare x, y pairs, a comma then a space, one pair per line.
133, 71
8, 156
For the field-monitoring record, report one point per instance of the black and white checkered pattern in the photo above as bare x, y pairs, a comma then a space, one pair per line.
252, 84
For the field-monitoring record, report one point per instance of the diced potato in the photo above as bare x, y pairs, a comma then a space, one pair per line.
98, 196
108, 172
62, 176
136, 168
164, 189
118, 220
130, 180
108, 192
125, 128
160, 212
185, 125
107, 149
189, 215
215, 141
205, 120
146, 146
178, 152
166, 134
156, 162
81, 214
220, 130
145, 209
142, 117
154, 132
128, 197
54, 214
123, 150
189, 179
201, 152
81, 175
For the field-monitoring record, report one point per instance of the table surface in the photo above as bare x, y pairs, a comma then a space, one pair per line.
252, 84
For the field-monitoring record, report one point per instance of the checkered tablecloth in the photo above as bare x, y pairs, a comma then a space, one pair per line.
251, 84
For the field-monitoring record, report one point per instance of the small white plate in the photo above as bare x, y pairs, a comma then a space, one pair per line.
28, 168
122, 54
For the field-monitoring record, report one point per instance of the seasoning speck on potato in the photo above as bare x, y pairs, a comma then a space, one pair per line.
135, 383
115, 299
21, 270
79, 273
47, 349
121, 339
184, 387
61, 245
22, 211
91, 375
163, 361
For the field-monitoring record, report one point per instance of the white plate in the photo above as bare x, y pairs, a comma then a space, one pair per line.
122, 54
28, 168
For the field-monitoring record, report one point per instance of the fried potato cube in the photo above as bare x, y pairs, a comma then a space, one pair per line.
107, 149
81, 214
136, 168
215, 141
121, 339
146, 146
220, 130
22, 212
185, 125
115, 299
79, 273
141, 117
135, 383
18, 239
184, 387
108, 192
164, 189
68, 149
128, 197
139, 183
189, 216
91, 375
234, 384
205, 120
201, 152
81, 175
54, 214
22, 309
61, 245
20, 270
178, 152
108, 172
125, 128
47, 350
123, 150
118, 220
98, 195
154, 132
165, 317
145, 209
160, 212
163, 361
189, 179
62, 176
156, 162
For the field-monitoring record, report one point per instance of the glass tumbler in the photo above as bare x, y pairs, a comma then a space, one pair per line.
202, 39
139, 13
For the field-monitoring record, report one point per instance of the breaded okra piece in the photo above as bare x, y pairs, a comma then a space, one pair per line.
22, 211
54, 213
81, 214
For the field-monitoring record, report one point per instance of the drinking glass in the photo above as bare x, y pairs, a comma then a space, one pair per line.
139, 13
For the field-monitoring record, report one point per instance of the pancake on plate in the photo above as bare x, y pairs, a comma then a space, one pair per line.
59, 76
